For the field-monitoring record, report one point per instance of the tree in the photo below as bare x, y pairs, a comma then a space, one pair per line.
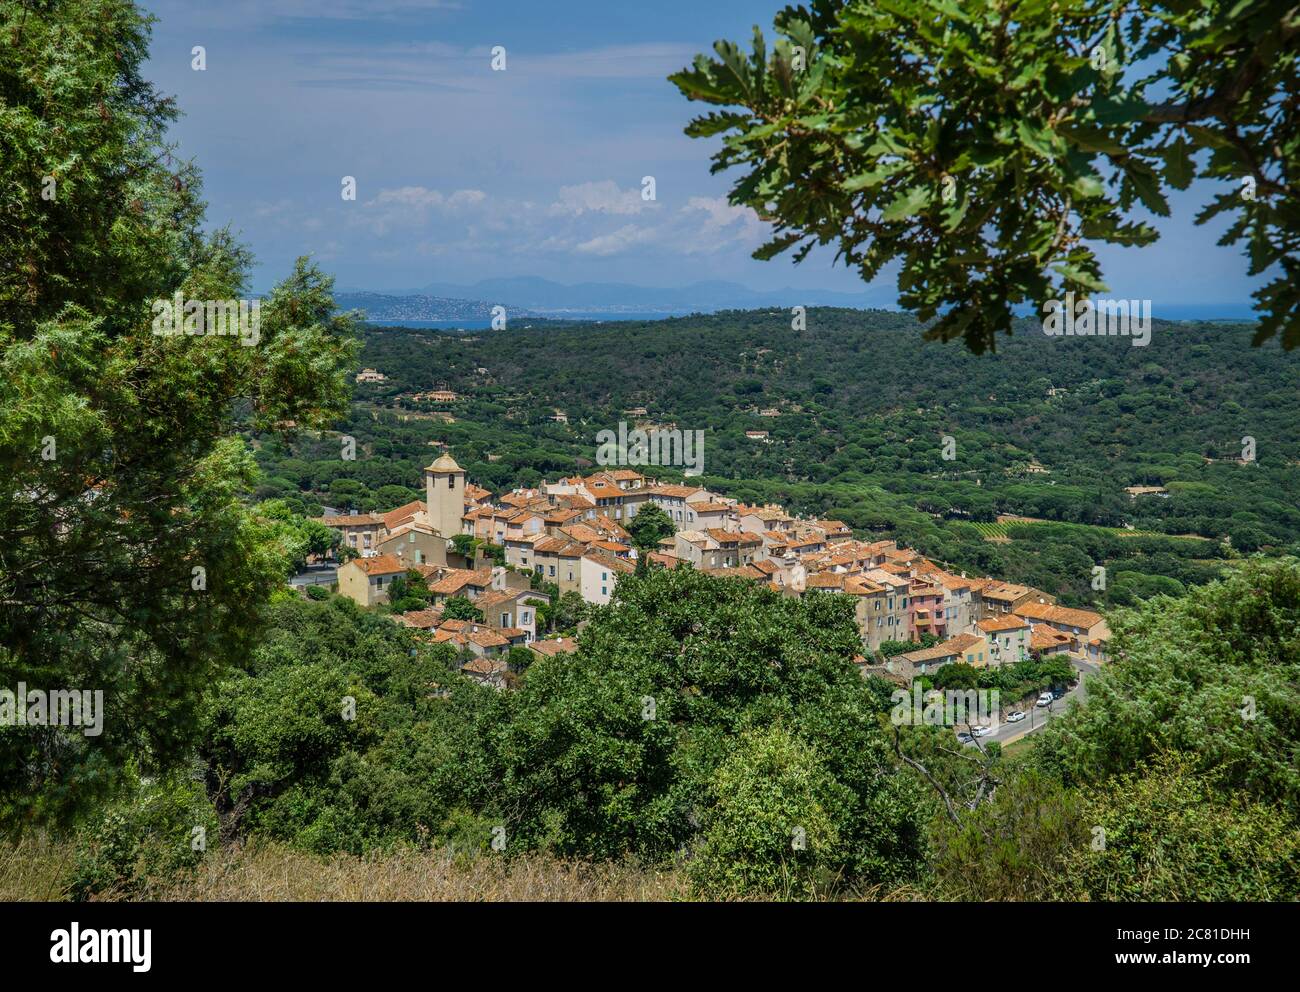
985, 144
465, 545
409, 592
460, 608
130, 564
773, 829
569, 610
1211, 675
614, 749
1167, 834
650, 526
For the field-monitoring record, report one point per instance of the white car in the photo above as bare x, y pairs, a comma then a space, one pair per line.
1044, 699
1015, 717
982, 731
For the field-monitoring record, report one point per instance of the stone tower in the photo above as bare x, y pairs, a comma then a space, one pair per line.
444, 490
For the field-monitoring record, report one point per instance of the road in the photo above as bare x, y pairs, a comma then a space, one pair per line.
1037, 717
315, 575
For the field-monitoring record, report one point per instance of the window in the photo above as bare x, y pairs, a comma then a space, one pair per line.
505, 619
451, 482
525, 617
603, 592
552, 569
604, 576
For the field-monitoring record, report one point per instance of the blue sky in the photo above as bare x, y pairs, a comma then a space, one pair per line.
464, 173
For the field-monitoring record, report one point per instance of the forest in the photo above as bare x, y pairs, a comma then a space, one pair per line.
1051, 429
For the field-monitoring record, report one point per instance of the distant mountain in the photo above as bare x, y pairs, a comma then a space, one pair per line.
546, 297
530, 296
420, 306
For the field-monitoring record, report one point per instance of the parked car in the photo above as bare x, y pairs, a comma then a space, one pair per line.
1015, 717
1058, 693
965, 738
1044, 699
982, 731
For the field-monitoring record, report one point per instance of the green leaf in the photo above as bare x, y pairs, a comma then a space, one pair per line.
908, 203
1179, 169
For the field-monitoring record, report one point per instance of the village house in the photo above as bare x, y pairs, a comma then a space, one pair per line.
959, 649
1008, 638
366, 581
415, 544
1000, 598
599, 574
1088, 631
361, 531
509, 610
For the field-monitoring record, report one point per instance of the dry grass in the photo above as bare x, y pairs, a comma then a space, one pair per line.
32, 870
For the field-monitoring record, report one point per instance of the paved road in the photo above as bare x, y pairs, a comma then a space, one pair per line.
315, 575
1037, 717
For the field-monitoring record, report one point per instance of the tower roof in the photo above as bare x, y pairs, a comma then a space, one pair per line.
444, 463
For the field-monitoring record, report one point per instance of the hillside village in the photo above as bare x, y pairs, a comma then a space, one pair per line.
571, 534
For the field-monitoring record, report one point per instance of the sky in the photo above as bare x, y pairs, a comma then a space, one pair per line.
464, 173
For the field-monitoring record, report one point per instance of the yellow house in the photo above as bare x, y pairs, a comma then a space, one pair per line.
365, 581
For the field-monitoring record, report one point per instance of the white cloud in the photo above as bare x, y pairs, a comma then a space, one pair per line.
411, 207
627, 236
603, 197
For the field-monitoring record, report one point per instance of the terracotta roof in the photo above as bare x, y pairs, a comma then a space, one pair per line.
352, 520
667, 560
1042, 637
1059, 614
485, 666
678, 492
458, 578
825, 580
553, 646
732, 537
995, 624
378, 565
561, 546
1006, 590
606, 560
420, 619
402, 514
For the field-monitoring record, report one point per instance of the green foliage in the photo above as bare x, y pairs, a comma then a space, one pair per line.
589, 773
1169, 834
158, 831
1011, 848
409, 591
465, 545
121, 478
650, 526
773, 828
987, 147
1211, 675
460, 608
867, 452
